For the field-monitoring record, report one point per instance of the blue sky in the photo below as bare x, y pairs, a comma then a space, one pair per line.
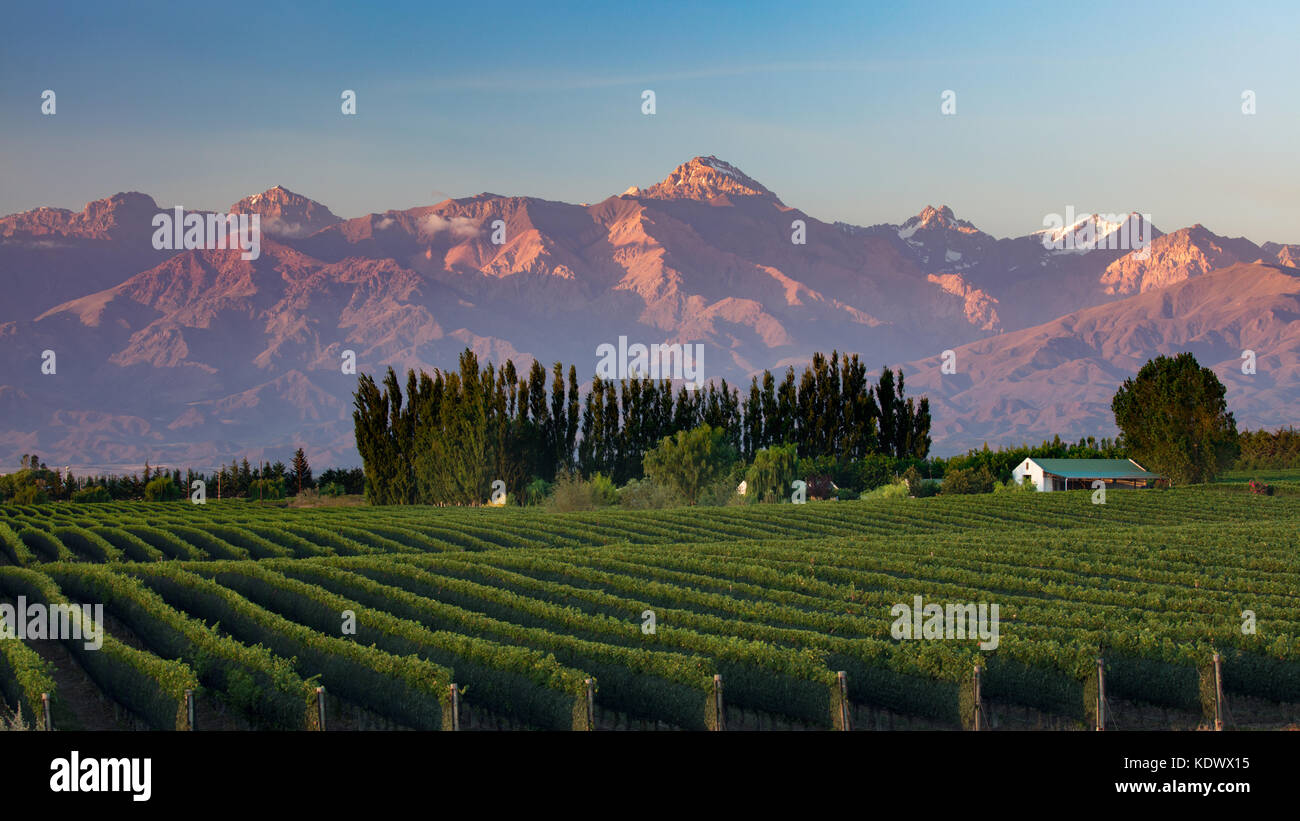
1106, 107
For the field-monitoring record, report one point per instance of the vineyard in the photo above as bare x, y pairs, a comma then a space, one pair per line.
238, 615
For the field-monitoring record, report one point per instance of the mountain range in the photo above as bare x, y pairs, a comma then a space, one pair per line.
192, 357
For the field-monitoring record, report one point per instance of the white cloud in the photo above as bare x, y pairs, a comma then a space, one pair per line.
460, 227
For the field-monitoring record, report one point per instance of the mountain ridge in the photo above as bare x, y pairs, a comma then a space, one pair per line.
192, 355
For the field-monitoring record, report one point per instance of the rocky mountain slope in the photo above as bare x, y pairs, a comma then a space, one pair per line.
191, 357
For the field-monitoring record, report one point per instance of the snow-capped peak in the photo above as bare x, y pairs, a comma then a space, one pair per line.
1093, 230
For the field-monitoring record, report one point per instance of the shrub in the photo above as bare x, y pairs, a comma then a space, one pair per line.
926, 488
15, 722
266, 489
969, 480
893, 490
603, 490
912, 477
1011, 486
331, 489
722, 492
162, 489
536, 491
572, 493
644, 494
846, 495
98, 493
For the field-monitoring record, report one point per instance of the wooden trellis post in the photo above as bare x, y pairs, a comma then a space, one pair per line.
189, 709
719, 710
47, 720
320, 707
846, 714
590, 704
979, 708
1218, 694
1101, 694
455, 706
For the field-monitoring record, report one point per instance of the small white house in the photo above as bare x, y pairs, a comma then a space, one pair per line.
1079, 474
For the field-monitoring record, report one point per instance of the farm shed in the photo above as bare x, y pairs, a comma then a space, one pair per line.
1064, 474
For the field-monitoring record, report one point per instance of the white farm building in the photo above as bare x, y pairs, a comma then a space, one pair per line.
1079, 474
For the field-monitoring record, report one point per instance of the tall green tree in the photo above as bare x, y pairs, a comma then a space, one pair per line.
769, 477
689, 461
301, 470
1175, 419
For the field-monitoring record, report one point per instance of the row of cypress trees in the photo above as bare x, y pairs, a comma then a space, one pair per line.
449, 435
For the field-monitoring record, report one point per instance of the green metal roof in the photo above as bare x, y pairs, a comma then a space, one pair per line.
1094, 468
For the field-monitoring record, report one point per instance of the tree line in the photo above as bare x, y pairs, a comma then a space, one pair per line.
36, 483
449, 435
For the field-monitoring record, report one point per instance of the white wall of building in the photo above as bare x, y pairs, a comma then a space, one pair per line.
1033, 471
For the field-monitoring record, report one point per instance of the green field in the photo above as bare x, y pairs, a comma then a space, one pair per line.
248, 606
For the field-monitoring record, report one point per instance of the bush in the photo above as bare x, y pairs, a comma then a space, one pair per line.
1011, 486
536, 491
603, 490
162, 489
926, 488
1260, 488
644, 494
912, 477
969, 480
14, 722
266, 489
571, 493
332, 489
893, 490
846, 495
98, 493
722, 492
